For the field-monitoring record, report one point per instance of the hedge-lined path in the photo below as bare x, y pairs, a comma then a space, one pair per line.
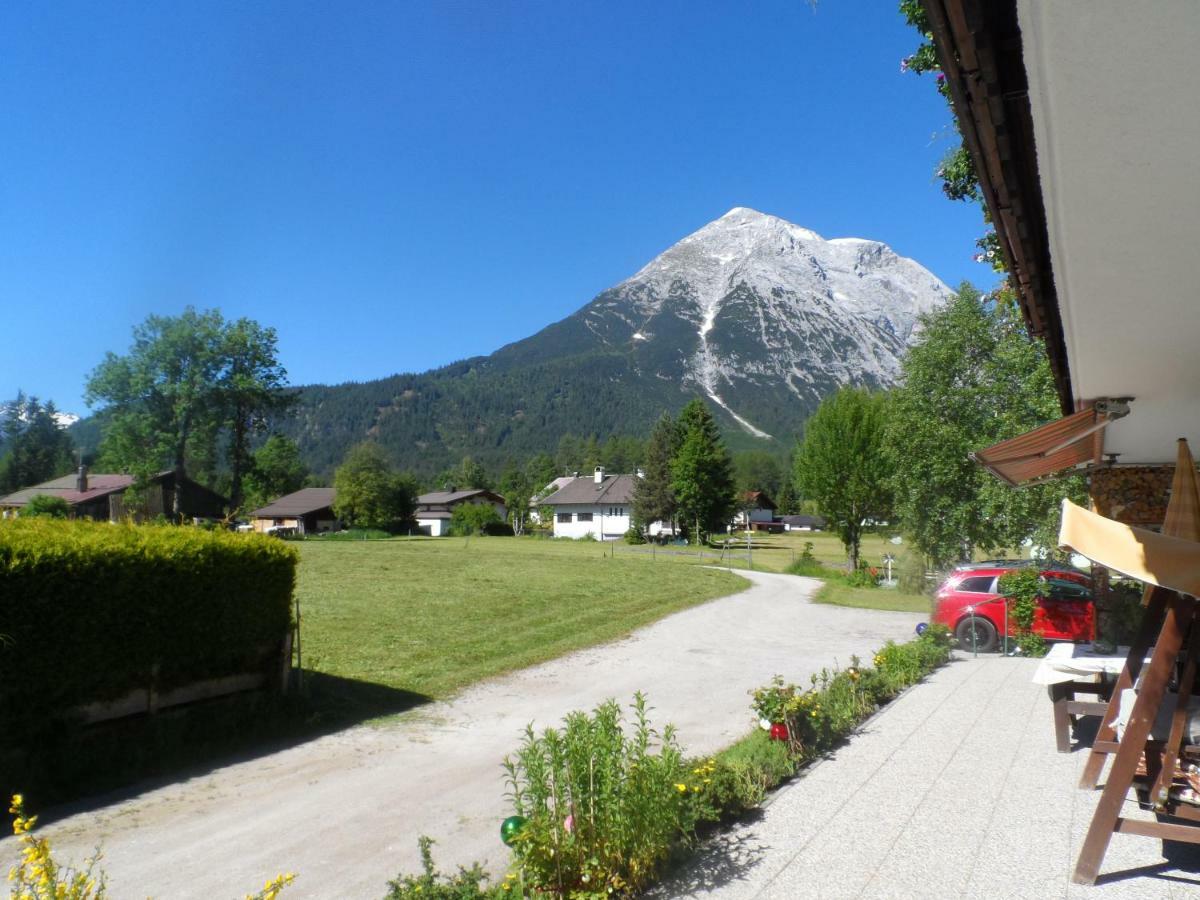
345, 811
954, 790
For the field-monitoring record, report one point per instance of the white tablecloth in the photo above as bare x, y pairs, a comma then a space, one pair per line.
1070, 662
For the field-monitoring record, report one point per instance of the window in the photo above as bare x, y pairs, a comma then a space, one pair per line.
978, 584
1061, 589
585, 517
564, 517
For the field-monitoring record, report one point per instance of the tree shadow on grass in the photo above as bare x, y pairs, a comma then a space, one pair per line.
82, 769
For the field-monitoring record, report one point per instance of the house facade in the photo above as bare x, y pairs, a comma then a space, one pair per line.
435, 509
600, 506
306, 511
102, 497
755, 511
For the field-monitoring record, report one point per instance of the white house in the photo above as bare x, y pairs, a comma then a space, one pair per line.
435, 509
755, 511
599, 506
536, 504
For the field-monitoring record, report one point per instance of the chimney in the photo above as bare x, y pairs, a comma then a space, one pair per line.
599, 474
81, 484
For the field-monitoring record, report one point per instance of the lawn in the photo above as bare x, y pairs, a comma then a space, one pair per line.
430, 616
839, 594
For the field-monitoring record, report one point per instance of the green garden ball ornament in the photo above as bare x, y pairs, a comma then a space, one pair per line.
510, 828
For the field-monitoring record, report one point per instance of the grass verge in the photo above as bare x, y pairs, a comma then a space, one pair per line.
837, 594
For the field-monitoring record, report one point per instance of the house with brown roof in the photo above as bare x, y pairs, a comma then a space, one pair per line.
306, 511
102, 497
600, 506
755, 511
435, 509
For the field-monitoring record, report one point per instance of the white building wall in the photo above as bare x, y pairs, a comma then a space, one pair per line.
609, 521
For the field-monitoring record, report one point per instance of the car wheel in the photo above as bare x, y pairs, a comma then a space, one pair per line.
976, 633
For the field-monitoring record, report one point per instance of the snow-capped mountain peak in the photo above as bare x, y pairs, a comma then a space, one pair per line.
768, 304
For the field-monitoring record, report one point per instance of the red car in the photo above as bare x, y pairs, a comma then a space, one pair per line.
968, 604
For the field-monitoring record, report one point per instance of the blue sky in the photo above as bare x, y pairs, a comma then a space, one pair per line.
396, 185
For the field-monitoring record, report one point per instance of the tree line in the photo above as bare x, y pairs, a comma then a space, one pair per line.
197, 394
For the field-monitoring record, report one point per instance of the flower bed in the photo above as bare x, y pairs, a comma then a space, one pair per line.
600, 805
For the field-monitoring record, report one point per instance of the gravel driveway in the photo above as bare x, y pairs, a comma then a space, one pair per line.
345, 811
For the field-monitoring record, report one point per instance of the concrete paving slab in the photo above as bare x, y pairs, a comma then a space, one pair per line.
954, 790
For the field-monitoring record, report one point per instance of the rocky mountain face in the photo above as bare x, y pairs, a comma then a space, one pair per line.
761, 317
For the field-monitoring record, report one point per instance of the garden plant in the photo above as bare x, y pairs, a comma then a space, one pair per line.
603, 805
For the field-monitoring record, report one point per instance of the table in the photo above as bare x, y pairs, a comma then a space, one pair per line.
1061, 670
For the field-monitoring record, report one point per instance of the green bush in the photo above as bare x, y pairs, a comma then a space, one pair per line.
466, 884
634, 536
95, 610
475, 518
47, 505
811, 567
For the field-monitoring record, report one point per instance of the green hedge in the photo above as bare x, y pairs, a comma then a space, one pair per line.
89, 610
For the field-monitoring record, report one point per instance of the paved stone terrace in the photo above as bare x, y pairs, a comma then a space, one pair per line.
954, 790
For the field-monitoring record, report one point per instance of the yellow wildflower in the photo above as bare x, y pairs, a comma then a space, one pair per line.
682, 788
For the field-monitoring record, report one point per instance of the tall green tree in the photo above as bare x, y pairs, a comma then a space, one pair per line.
517, 490
974, 377
654, 493
36, 447
277, 470
842, 463
369, 493
162, 397
702, 472
186, 381
251, 389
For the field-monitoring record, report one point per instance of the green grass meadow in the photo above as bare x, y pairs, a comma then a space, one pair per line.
430, 616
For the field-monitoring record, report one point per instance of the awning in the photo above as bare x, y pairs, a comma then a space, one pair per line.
1159, 559
1049, 449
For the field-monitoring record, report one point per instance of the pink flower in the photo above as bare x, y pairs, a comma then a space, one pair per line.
569, 823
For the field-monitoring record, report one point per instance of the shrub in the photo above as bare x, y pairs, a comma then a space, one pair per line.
39, 876
474, 518
1021, 588
46, 505
634, 536
602, 809
467, 884
96, 610
810, 567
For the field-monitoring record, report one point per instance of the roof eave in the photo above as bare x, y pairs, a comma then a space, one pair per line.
979, 46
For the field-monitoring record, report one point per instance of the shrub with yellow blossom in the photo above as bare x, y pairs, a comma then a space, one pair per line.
38, 876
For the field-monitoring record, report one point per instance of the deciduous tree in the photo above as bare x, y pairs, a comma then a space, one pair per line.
277, 470
842, 465
973, 378
369, 493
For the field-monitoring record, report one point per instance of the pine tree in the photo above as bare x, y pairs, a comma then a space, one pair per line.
654, 493
38, 449
702, 473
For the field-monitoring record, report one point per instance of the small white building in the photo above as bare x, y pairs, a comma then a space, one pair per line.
435, 509
600, 506
755, 511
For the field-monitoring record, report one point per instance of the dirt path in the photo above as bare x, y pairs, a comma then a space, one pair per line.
345, 811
